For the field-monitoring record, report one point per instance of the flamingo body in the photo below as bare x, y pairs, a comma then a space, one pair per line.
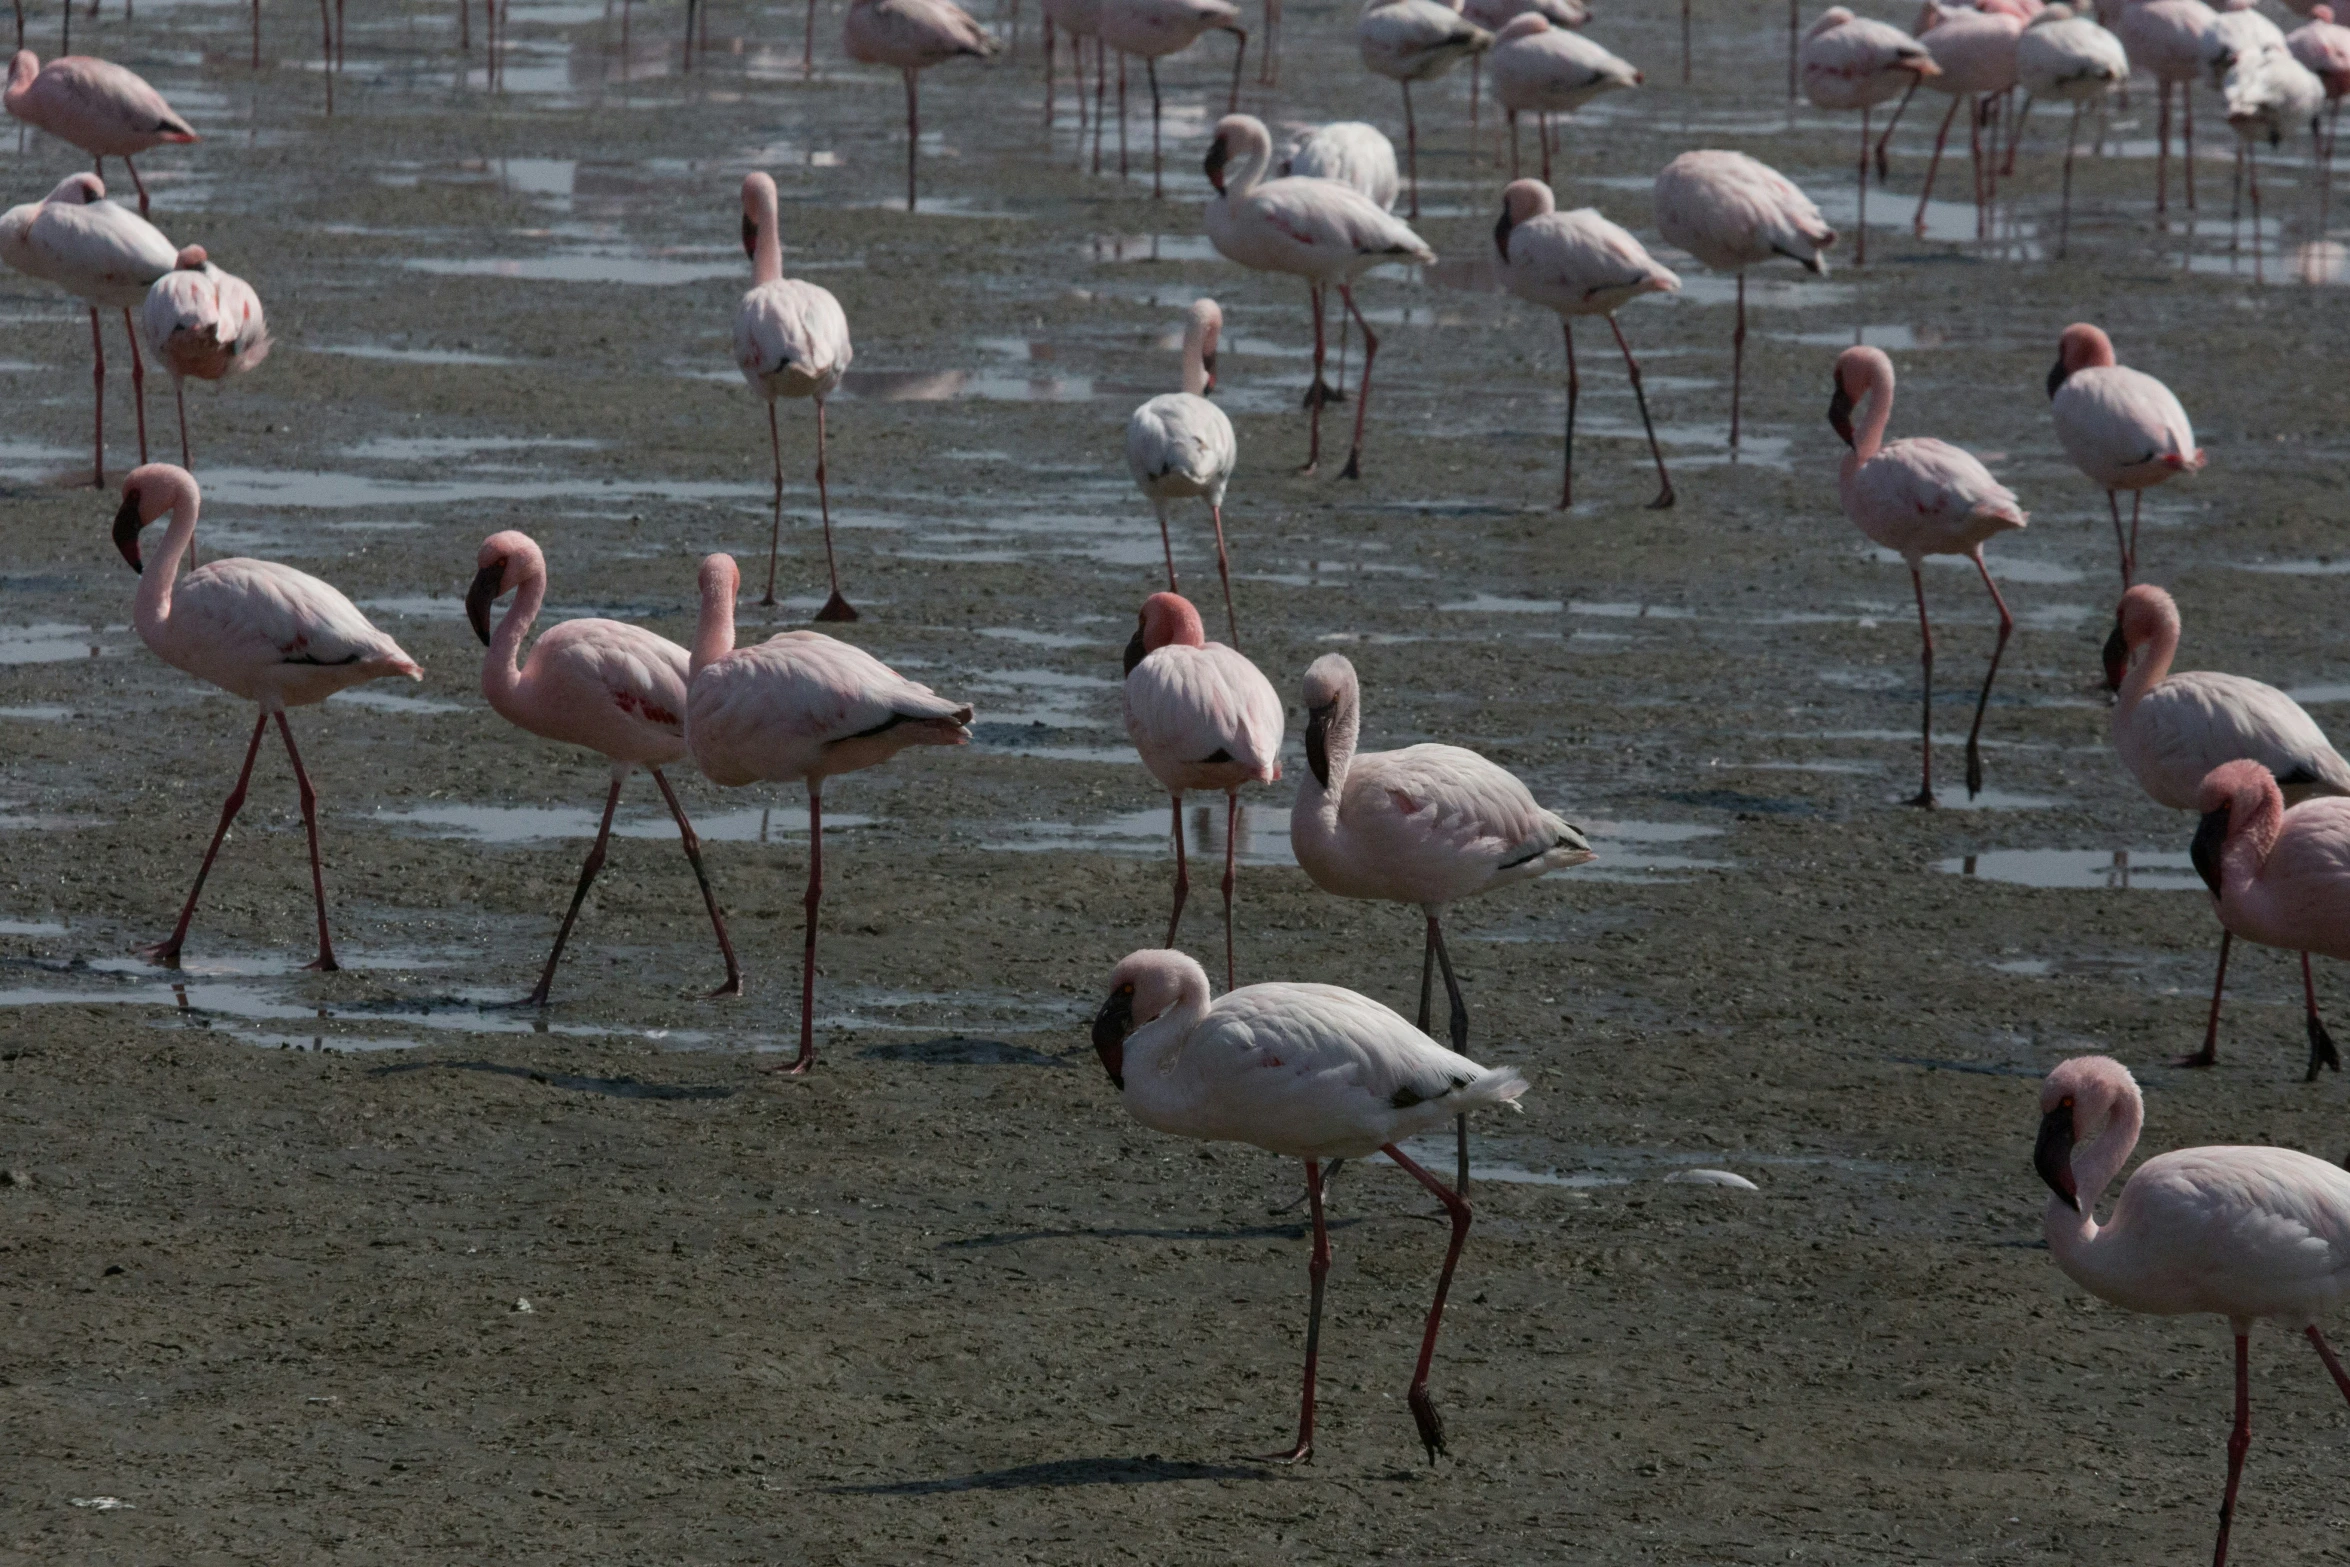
1352, 153
803, 707
913, 35
1541, 69
1316, 229
203, 322
95, 249
2322, 45
1494, 15
1180, 446
2070, 58
1201, 716
2165, 38
1975, 49
2121, 427
1416, 40
1854, 62
1154, 29
2278, 877
96, 105
1732, 212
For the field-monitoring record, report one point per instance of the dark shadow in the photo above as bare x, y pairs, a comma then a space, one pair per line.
1732, 800
1012, 736
615, 1087
1148, 1470
1985, 1068
958, 1050
1295, 1232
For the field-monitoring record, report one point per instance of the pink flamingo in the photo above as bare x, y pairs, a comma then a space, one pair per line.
800, 707
202, 322
1427, 825
1976, 50
791, 339
95, 105
1155, 29
1180, 446
106, 255
1920, 497
1494, 15
1543, 70
913, 36
275, 636
1852, 62
1410, 41
1320, 230
1579, 264
616, 689
1732, 212
1202, 717
2073, 60
1307, 1072
2322, 45
2121, 427
2172, 730
2245, 1232
2278, 877
2165, 39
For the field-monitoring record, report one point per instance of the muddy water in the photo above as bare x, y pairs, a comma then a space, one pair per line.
942, 1301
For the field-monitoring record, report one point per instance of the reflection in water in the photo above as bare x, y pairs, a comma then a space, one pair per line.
2116, 870
514, 824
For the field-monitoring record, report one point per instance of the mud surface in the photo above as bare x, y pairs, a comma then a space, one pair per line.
942, 1301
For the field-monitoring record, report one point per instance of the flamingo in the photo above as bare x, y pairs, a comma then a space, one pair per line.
2073, 60
2121, 427
1410, 41
2323, 46
2267, 93
2164, 38
104, 254
1180, 446
1308, 1072
1920, 497
1544, 70
2246, 1232
1851, 62
1732, 212
913, 36
2170, 731
1579, 264
2278, 877
1976, 51
616, 689
800, 707
275, 636
1494, 15
1327, 233
1202, 717
1427, 825
1154, 29
1081, 20
791, 340
1352, 153
202, 322
95, 105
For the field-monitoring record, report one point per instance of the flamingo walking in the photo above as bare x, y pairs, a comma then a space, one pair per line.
613, 688
275, 636
95, 105
1732, 212
2121, 427
2073, 60
791, 339
1976, 50
913, 36
1322, 231
1180, 446
1309, 1072
1155, 29
2248, 1233
2165, 39
107, 256
1426, 825
2171, 730
1579, 264
2278, 877
1920, 496
800, 707
1352, 153
1543, 70
1202, 717
1410, 41
202, 322
1852, 62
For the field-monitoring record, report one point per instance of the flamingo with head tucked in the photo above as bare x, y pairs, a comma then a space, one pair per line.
2165, 39
1543, 70
2278, 877
202, 322
2073, 60
2121, 427
1853, 62
913, 36
97, 106
1410, 41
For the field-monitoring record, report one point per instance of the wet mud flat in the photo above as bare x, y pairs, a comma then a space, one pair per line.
264, 1266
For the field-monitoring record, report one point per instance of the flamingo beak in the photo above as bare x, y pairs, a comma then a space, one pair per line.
1840, 413
1218, 154
2057, 375
126, 530
2052, 1155
1111, 1025
1135, 651
1501, 232
2117, 657
750, 235
2210, 837
1208, 363
488, 583
1318, 742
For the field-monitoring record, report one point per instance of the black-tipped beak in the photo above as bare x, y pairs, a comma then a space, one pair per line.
2117, 657
126, 530
1111, 1025
2052, 1155
1218, 155
1318, 742
750, 235
2211, 835
1501, 232
1840, 413
1208, 363
1135, 652
2056, 375
488, 583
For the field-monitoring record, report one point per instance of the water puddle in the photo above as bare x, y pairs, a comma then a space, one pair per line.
600, 264
519, 824
2315, 566
2143, 870
1894, 338
51, 642
1115, 248
1495, 604
1440, 1154
2006, 566
439, 448
943, 386
14, 820
395, 354
385, 699
31, 928
317, 490
2307, 696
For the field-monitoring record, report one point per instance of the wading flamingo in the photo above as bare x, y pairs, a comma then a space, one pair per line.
2323, 46
1180, 446
1322, 231
2073, 60
1202, 717
1920, 497
95, 105
1579, 264
2164, 38
275, 636
2278, 877
202, 322
2121, 427
1543, 70
2243, 1232
613, 688
1155, 29
1494, 15
1356, 154
1852, 62
1307, 1072
913, 36
1410, 41
1732, 212
800, 707
2268, 95
1976, 51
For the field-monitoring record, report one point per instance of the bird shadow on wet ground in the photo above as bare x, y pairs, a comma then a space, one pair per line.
1295, 1231
1150, 1469
613, 1087
958, 1050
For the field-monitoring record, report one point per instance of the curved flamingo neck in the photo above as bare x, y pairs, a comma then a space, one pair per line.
1246, 170
714, 631
1154, 1090
151, 612
767, 247
21, 70
501, 673
1341, 733
1869, 439
1195, 361
2072, 1235
2253, 825
2150, 662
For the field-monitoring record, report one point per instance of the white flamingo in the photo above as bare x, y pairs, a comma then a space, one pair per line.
2268, 94
1352, 153
2165, 39
275, 636
202, 322
2247, 1233
1494, 15
1154, 29
1180, 446
913, 36
1308, 1072
1410, 41
1976, 50
1853, 62
2278, 877
2121, 427
2073, 60
1543, 70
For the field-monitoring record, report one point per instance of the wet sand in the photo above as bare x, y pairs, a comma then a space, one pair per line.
942, 1301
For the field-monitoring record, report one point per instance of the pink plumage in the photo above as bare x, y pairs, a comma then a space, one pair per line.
96, 105
2322, 45
2166, 40
1854, 62
2278, 877
1154, 29
2121, 427
1976, 50
913, 36
202, 322
1541, 69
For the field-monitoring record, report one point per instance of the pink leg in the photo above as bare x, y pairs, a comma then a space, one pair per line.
98, 379
1354, 456
138, 382
2064, 210
2252, 177
1101, 78
835, 607
1925, 794
2187, 138
1411, 144
1051, 65
1974, 754
2209, 1054
1167, 547
2325, 1352
1933, 166
810, 904
914, 128
1423, 1407
137, 183
587, 875
1182, 875
1121, 114
1150, 71
2137, 503
1737, 363
693, 853
1318, 1269
1231, 853
167, 951
1886, 139
1860, 224
2238, 1440
808, 43
2321, 1044
2162, 149
1542, 134
325, 962
1664, 495
1512, 116
179, 396
1574, 395
1313, 402
1224, 570
775, 527
1457, 1030
2121, 542
326, 28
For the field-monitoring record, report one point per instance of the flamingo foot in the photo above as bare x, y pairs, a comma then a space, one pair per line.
2321, 1050
1303, 1453
2204, 1057
324, 963
798, 1068
1431, 1423
1663, 502
163, 954
733, 987
1322, 395
1354, 466
1974, 771
767, 601
1309, 470
836, 608
1924, 800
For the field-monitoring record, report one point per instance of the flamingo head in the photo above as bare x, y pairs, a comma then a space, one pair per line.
1143, 987
1860, 371
758, 197
2230, 791
78, 190
1526, 24
2143, 614
148, 493
2081, 347
506, 561
191, 259
2321, 13
22, 69
2077, 1100
1522, 201
1330, 692
1166, 618
1203, 328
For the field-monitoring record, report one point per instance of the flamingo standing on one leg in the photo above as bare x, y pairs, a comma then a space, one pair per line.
1852, 62
202, 322
1180, 446
2278, 877
791, 340
1976, 51
1327, 233
1543, 70
1579, 264
2121, 427
1920, 497
106, 255
97, 106
1155, 29
1410, 41
616, 689
275, 636
1202, 717
2245, 1232
2073, 60
800, 707
1309, 1072
2170, 731
1427, 825
1732, 212
2164, 38
913, 35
